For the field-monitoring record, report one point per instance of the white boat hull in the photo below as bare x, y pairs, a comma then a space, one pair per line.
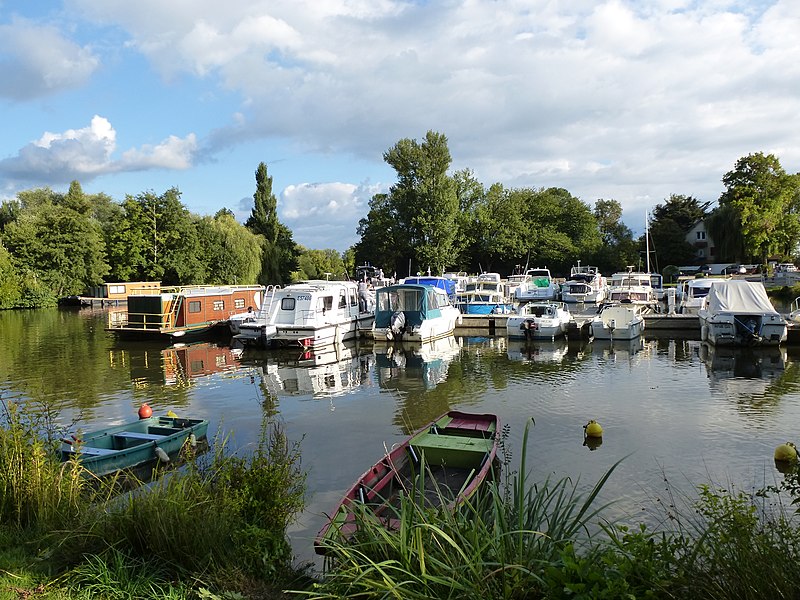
742, 329
428, 331
618, 323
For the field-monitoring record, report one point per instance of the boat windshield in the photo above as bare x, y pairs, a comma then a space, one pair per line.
400, 299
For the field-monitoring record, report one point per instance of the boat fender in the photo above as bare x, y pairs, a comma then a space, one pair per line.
145, 412
161, 454
786, 453
592, 429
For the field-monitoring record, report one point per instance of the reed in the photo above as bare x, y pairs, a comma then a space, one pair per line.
37, 491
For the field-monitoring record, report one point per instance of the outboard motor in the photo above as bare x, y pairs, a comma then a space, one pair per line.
397, 324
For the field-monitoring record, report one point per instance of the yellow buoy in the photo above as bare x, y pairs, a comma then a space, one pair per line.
786, 452
171, 415
593, 429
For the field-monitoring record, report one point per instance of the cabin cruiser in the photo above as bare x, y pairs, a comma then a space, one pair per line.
737, 312
693, 293
308, 314
617, 321
539, 286
539, 321
585, 284
633, 288
484, 296
417, 313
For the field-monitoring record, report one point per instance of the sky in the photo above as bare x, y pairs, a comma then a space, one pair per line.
632, 100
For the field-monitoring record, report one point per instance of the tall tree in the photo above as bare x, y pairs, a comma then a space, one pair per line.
762, 195
669, 224
424, 198
618, 248
231, 252
279, 252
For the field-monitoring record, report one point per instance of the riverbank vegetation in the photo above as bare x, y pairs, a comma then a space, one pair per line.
55, 244
216, 529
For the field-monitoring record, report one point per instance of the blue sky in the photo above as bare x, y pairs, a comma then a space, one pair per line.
630, 100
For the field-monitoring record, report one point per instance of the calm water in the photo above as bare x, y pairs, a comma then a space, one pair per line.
669, 407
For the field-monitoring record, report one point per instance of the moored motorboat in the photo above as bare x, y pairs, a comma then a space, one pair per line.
539, 285
539, 321
308, 314
484, 296
132, 444
617, 322
737, 312
417, 313
444, 462
585, 285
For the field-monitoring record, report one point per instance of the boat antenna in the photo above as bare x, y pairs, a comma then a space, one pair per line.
527, 261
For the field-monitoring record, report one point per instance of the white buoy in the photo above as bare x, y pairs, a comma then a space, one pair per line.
162, 456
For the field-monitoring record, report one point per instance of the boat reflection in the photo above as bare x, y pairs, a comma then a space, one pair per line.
540, 351
766, 362
176, 366
324, 372
406, 365
618, 349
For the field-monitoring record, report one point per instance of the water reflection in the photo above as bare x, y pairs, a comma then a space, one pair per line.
414, 366
543, 351
320, 373
620, 349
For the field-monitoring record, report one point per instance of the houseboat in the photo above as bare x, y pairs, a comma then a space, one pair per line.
183, 311
308, 314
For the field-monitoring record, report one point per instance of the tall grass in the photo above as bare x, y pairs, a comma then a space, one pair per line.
548, 540
37, 491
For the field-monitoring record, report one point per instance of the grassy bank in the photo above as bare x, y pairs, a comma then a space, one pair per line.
216, 529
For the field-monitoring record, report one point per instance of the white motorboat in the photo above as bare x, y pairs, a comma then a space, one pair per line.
539, 321
693, 293
737, 312
484, 296
539, 286
635, 288
412, 312
308, 314
585, 285
617, 322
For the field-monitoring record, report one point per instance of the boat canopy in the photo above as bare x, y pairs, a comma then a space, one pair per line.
417, 302
738, 296
448, 285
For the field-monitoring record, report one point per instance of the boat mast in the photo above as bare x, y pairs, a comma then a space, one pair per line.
647, 238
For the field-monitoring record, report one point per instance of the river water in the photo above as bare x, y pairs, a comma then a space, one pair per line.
672, 409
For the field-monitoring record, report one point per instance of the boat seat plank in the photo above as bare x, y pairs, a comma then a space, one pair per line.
451, 442
469, 424
91, 451
139, 436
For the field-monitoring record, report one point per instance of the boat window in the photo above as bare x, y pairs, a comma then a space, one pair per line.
194, 306
219, 305
353, 298
342, 300
287, 304
325, 303
238, 303
116, 289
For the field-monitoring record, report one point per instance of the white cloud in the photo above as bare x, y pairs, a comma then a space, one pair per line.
320, 212
88, 153
37, 60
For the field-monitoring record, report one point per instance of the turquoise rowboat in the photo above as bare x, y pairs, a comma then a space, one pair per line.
132, 444
452, 457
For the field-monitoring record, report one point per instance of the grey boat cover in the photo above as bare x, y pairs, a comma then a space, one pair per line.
738, 296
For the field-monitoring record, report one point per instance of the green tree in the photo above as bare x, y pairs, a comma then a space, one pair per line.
424, 198
382, 242
56, 242
231, 252
156, 239
618, 248
669, 224
10, 282
763, 197
279, 254
319, 264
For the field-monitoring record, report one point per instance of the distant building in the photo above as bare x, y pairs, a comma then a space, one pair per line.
702, 243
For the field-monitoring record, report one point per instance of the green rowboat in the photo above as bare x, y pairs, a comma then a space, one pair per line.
132, 444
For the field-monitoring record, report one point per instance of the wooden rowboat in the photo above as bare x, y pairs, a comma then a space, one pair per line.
451, 457
132, 444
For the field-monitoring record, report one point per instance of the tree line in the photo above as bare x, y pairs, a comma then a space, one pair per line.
54, 244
